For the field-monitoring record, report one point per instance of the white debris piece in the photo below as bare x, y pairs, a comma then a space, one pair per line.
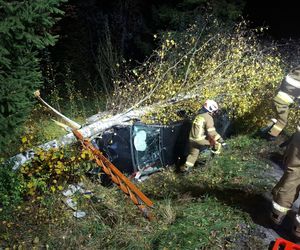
79, 214
70, 203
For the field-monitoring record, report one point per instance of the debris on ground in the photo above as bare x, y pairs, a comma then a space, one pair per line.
70, 192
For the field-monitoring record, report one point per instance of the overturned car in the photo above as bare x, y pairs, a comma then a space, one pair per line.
141, 149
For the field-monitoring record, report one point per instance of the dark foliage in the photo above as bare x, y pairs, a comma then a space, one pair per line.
24, 31
98, 35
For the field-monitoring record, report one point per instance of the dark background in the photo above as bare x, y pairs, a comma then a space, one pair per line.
282, 17
96, 35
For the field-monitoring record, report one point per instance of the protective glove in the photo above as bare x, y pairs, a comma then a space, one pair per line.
222, 142
216, 149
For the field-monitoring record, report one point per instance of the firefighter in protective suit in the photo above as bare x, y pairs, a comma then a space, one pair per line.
287, 94
203, 134
287, 189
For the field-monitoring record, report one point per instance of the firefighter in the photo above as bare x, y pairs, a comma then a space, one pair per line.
286, 191
287, 94
203, 134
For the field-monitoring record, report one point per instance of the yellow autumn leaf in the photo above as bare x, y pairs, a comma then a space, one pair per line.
24, 139
57, 171
30, 184
87, 196
60, 164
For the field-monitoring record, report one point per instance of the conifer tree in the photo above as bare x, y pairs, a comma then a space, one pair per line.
24, 32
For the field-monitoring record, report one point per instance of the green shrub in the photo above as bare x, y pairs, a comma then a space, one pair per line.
12, 186
50, 170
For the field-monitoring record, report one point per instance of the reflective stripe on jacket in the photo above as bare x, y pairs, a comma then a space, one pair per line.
289, 88
202, 127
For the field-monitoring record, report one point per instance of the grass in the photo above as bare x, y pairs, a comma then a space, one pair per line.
40, 127
206, 209
201, 224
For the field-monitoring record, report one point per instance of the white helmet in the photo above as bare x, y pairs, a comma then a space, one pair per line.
211, 106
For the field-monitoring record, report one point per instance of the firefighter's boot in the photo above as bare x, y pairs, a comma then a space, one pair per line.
184, 168
265, 132
278, 213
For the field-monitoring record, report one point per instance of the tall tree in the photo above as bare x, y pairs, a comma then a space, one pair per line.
24, 32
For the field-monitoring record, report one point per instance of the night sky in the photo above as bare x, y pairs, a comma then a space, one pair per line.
282, 17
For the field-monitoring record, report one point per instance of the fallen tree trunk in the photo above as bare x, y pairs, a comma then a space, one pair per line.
97, 126
88, 131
